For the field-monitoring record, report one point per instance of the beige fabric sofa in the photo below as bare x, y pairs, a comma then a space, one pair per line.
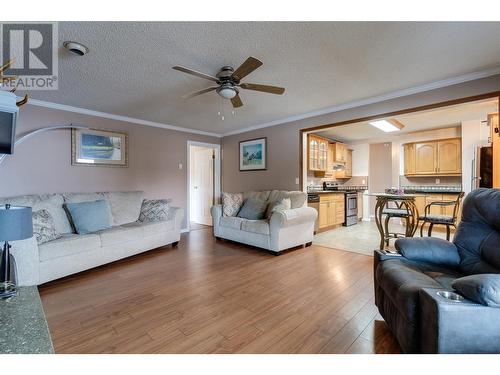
283, 230
73, 253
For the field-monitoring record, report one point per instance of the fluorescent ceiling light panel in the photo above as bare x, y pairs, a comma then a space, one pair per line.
387, 126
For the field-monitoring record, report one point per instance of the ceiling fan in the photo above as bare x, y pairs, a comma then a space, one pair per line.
228, 81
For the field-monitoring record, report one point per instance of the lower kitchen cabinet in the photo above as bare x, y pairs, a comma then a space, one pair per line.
331, 210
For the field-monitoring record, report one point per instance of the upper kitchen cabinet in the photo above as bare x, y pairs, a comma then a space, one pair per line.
409, 158
449, 155
317, 153
433, 158
347, 171
340, 153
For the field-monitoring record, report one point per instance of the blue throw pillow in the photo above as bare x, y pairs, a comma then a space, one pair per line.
88, 217
481, 288
253, 209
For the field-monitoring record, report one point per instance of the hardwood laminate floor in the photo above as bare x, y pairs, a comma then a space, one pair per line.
208, 296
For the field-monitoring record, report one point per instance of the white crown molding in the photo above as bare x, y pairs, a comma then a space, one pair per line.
375, 99
357, 103
84, 111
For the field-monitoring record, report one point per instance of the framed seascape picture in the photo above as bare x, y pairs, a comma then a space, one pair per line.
92, 147
253, 154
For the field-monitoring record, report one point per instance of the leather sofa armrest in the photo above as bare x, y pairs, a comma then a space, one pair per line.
293, 217
428, 249
457, 327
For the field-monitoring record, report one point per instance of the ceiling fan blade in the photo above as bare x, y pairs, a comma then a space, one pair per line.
263, 88
195, 73
236, 101
199, 92
246, 68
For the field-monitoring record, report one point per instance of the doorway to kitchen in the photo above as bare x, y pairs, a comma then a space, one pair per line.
203, 183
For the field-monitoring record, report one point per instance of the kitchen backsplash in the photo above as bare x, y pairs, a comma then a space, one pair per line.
430, 181
353, 181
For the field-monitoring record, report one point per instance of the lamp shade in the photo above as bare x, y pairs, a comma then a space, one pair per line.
16, 223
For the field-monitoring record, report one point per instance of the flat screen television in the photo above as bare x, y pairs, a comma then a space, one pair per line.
7, 132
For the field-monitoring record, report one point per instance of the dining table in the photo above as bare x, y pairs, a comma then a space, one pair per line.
394, 205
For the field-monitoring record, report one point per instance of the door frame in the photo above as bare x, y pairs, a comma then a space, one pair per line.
217, 175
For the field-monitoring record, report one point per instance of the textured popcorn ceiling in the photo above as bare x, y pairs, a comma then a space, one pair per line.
128, 70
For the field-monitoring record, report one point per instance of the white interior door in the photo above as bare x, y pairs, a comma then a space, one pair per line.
202, 184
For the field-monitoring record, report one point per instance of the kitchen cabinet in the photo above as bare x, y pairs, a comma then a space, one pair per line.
317, 153
347, 171
449, 156
331, 209
425, 158
433, 158
409, 158
340, 152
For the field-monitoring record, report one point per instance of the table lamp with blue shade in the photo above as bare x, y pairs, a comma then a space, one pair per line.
16, 224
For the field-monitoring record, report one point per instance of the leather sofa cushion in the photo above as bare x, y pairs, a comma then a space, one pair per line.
483, 289
67, 245
402, 279
255, 226
231, 222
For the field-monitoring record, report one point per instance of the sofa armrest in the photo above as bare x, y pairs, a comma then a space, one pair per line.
27, 260
176, 213
295, 216
216, 211
428, 249
457, 327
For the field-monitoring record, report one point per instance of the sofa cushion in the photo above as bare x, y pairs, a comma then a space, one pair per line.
253, 209
262, 195
44, 228
82, 197
154, 210
155, 228
67, 245
53, 203
88, 217
297, 198
483, 289
120, 234
231, 203
282, 205
255, 226
402, 279
231, 222
125, 206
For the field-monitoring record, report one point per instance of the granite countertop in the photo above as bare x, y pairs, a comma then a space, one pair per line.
23, 328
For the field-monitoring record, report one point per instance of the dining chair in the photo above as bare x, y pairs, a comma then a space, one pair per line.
438, 219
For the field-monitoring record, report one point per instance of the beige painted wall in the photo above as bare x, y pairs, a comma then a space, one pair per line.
43, 164
283, 140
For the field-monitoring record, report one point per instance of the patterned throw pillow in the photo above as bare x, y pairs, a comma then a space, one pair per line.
231, 203
154, 210
282, 205
44, 228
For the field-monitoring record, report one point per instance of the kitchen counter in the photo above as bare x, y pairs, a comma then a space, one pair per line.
432, 191
23, 328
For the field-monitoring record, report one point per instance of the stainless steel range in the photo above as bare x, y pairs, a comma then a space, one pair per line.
350, 201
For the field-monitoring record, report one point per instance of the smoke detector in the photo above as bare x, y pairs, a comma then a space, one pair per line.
76, 48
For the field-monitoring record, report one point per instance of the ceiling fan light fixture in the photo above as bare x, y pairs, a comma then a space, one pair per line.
227, 92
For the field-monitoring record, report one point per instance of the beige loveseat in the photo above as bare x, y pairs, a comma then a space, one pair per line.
72, 253
283, 230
